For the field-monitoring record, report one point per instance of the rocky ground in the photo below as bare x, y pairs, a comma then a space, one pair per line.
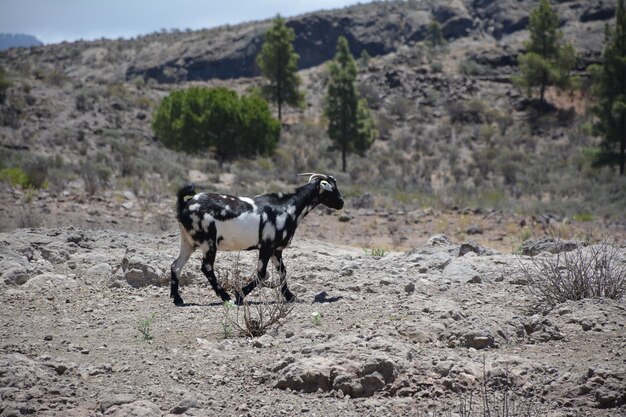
404, 334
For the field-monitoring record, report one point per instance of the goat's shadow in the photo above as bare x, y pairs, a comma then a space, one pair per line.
323, 298
218, 304
184, 305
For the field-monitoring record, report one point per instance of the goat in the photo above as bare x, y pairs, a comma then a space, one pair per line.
266, 223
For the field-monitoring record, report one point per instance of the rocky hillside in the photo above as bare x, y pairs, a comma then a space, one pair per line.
453, 131
88, 329
379, 28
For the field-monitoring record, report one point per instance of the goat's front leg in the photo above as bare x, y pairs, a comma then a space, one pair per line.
207, 269
177, 266
277, 260
261, 271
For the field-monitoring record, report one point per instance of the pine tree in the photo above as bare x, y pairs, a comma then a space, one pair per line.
609, 87
350, 125
548, 59
434, 35
279, 64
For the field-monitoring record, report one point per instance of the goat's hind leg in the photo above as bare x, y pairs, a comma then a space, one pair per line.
207, 269
186, 249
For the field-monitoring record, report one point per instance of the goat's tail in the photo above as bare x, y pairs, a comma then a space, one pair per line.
186, 191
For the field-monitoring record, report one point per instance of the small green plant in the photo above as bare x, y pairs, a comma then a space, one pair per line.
15, 176
145, 327
582, 217
227, 327
436, 67
376, 252
316, 318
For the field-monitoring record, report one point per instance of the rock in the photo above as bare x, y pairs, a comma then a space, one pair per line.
508, 16
454, 19
474, 230
307, 375
540, 329
548, 244
437, 261
409, 288
471, 246
139, 272
14, 273
135, 408
382, 366
415, 333
478, 340
458, 271
184, 405
48, 280
439, 240
136, 278
118, 105
115, 399
598, 11
100, 269
457, 27
321, 374
607, 398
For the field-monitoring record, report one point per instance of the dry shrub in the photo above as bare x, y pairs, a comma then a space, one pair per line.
493, 395
594, 271
262, 310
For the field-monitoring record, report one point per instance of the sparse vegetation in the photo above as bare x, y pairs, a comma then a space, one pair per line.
591, 271
316, 318
253, 318
145, 328
376, 252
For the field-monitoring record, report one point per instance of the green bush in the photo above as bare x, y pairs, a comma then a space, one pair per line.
15, 177
31, 172
197, 119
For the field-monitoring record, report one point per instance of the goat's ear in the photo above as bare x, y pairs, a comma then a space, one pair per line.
325, 185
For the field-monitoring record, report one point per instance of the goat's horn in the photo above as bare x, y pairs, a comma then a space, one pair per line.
313, 176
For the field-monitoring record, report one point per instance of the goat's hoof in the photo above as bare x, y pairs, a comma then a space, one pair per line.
178, 301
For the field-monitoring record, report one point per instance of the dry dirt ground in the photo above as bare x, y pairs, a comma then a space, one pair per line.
415, 331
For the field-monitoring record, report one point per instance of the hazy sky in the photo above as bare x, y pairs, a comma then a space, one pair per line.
57, 20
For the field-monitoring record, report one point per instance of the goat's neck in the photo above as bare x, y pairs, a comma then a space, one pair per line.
305, 199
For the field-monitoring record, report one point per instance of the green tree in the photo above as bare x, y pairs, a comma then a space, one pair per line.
434, 35
279, 64
199, 119
350, 125
548, 59
609, 87
4, 86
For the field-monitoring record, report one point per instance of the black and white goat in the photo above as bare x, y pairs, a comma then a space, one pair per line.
266, 223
